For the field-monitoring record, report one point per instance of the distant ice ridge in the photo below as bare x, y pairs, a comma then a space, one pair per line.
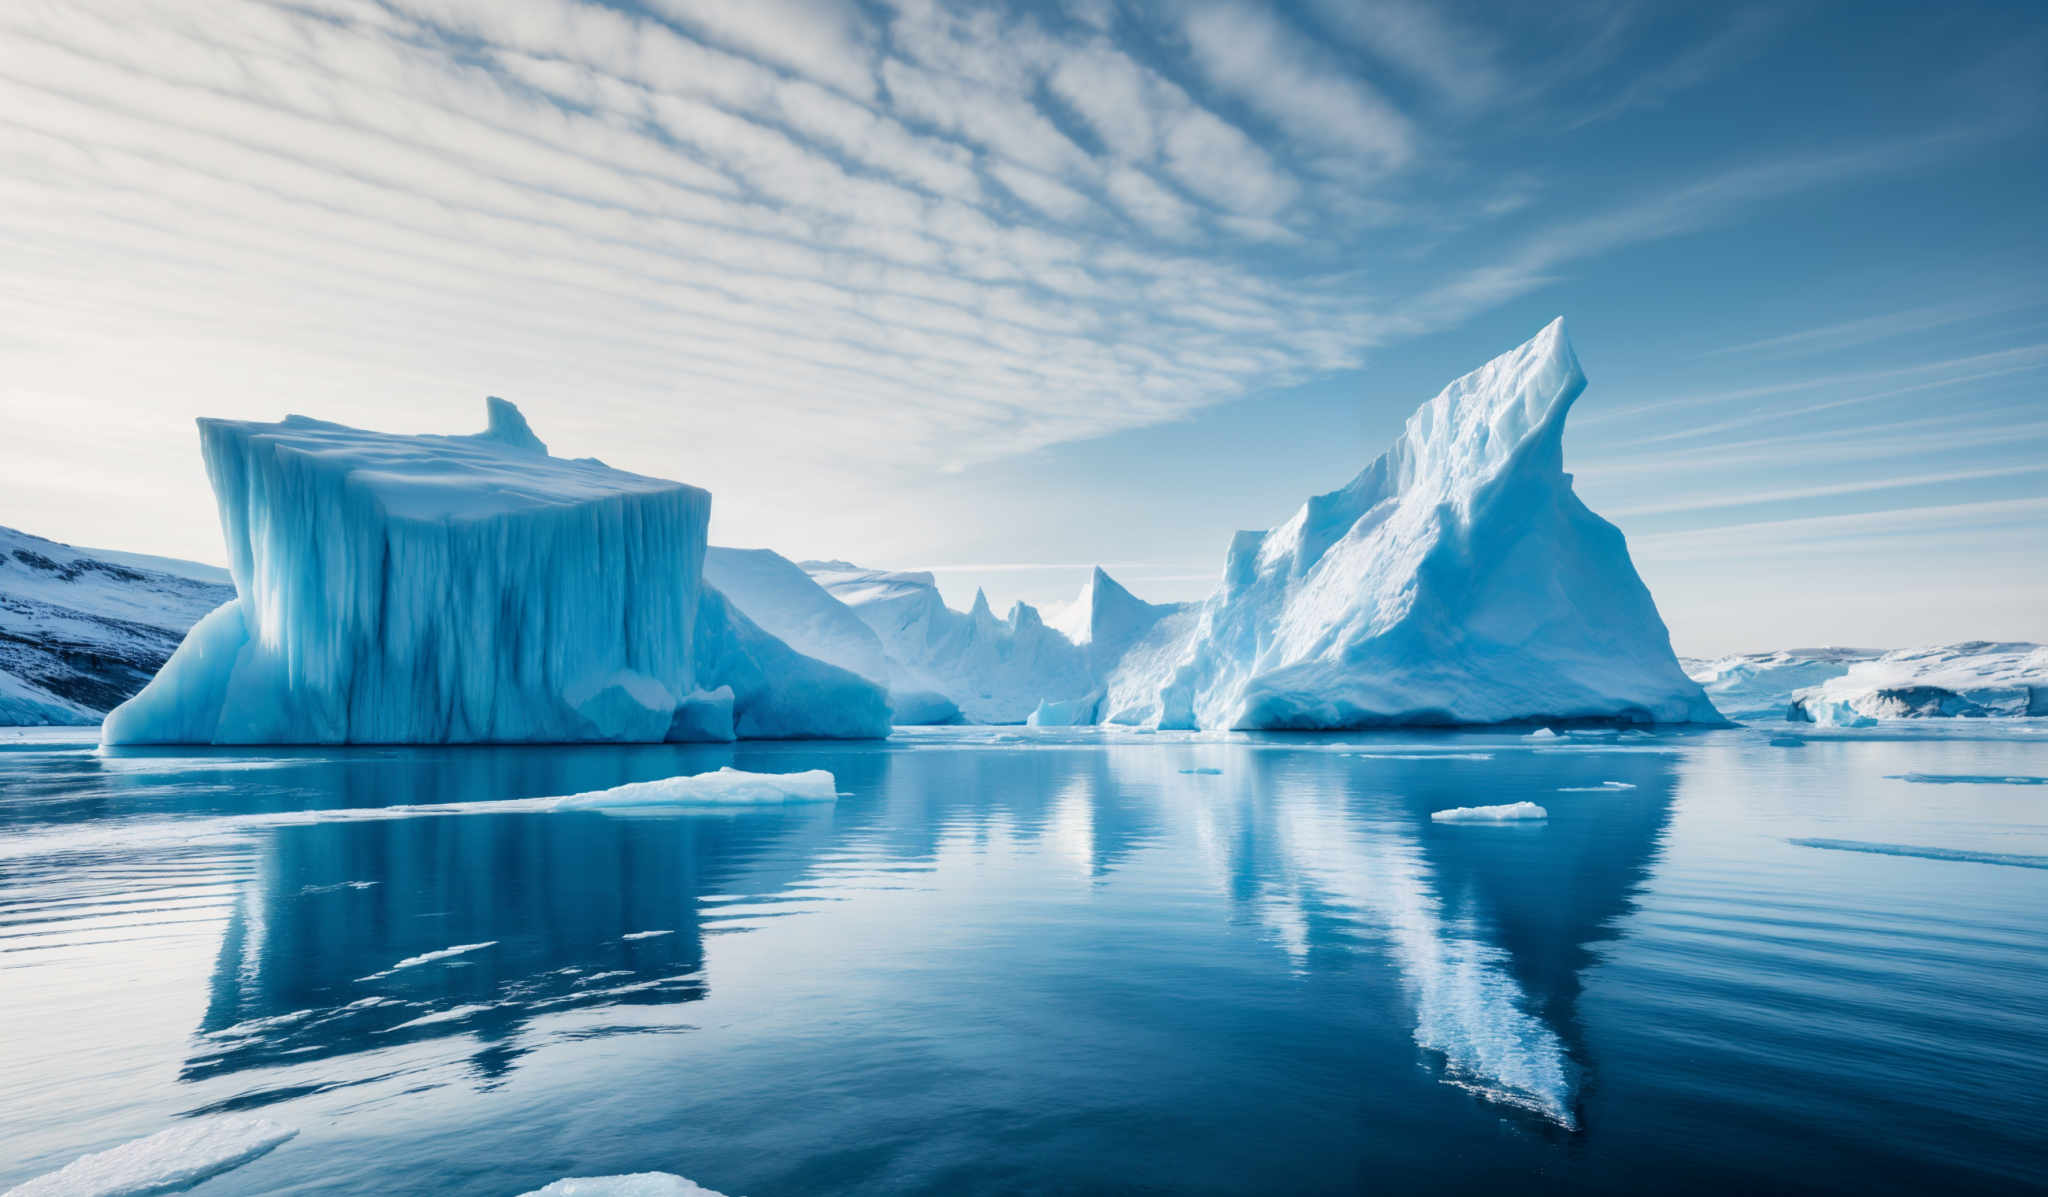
458, 589
993, 670
81, 630
1760, 685
1974, 680
636, 1184
166, 1162
1457, 579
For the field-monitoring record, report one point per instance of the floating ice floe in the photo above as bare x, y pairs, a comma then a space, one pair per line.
636, 1184
726, 787
1512, 812
165, 1162
1605, 787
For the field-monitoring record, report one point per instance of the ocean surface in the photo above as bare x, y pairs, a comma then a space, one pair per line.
1012, 961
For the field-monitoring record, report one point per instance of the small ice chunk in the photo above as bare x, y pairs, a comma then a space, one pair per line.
165, 1162
1542, 733
728, 786
637, 1184
1509, 813
644, 934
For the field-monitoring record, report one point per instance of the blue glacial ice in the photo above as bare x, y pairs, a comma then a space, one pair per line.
1457, 579
467, 589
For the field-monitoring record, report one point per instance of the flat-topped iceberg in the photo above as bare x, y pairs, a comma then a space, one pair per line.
1457, 579
469, 589
1974, 680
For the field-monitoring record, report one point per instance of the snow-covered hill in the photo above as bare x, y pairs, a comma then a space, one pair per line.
1759, 686
1978, 679
83, 629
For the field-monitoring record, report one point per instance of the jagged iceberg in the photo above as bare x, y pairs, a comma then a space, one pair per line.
1974, 680
994, 670
459, 589
1457, 579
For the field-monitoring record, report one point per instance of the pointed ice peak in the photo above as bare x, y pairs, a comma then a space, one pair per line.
981, 610
1023, 615
508, 427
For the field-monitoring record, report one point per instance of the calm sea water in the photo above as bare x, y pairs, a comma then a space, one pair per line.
1049, 962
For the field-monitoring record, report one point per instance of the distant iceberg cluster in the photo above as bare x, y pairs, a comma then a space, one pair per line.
1457, 580
469, 589
1852, 687
447, 589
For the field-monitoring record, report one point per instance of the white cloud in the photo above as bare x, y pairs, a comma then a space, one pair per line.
1280, 72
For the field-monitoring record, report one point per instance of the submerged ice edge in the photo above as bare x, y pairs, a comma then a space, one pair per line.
1962, 855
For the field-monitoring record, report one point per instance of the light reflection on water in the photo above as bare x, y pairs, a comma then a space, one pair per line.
1056, 961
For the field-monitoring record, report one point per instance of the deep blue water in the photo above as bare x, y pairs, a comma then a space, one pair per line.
1049, 962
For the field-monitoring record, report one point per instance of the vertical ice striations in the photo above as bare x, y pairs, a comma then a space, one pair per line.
1457, 579
443, 589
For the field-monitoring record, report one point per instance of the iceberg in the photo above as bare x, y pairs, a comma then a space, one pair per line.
469, 589
992, 670
1106, 620
1456, 580
778, 595
1978, 679
788, 604
166, 1162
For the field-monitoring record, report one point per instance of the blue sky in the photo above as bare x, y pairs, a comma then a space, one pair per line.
1008, 290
